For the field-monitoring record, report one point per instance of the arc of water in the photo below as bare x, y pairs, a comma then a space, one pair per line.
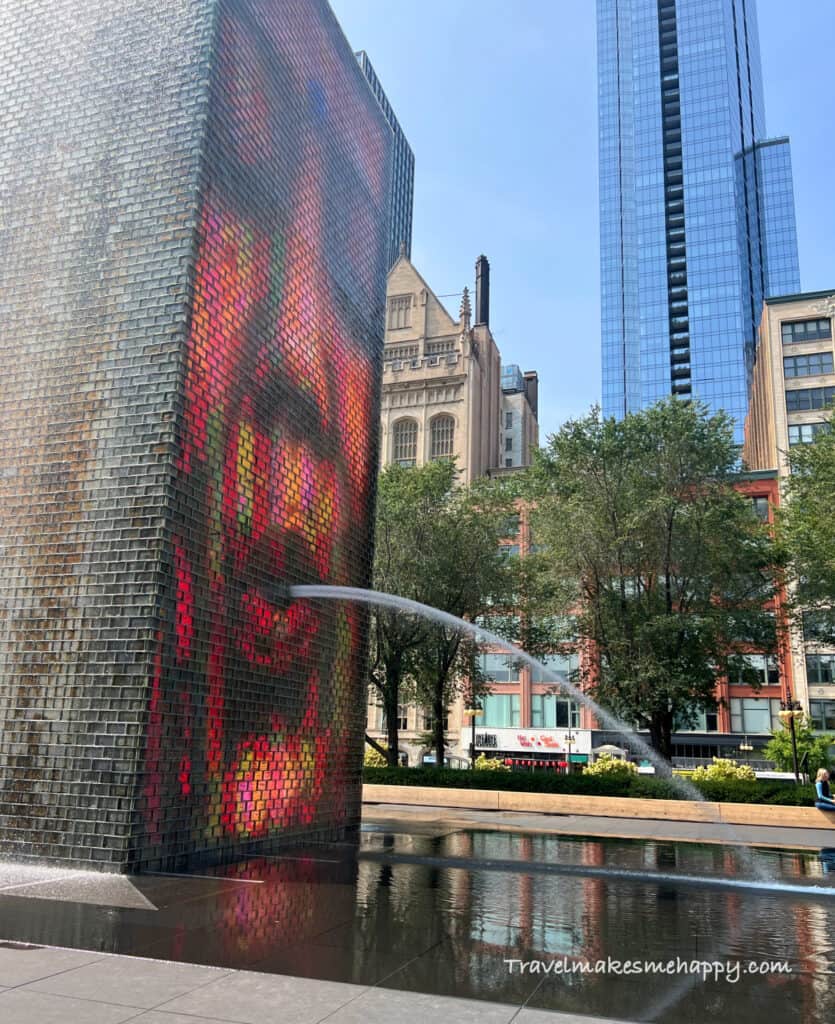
405, 604
323, 591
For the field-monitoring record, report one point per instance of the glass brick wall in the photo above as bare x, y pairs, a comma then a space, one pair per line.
195, 427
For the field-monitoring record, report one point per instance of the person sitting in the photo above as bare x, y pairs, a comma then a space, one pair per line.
824, 801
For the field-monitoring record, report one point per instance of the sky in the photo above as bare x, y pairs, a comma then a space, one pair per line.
498, 99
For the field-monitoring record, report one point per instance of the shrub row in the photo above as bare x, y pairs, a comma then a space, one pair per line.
735, 791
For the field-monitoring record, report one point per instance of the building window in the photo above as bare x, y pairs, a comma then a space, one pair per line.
809, 398
563, 665
548, 711
508, 444
701, 721
405, 442
805, 433
511, 525
508, 421
822, 713
820, 668
808, 365
508, 463
441, 437
760, 506
805, 330
754, 714
819, 626
498, 668
429, 722
509, 550
402, 718
753, 670
501, 711
400, 312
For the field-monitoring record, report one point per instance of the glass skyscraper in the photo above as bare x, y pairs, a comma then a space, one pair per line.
403, 171
697, 219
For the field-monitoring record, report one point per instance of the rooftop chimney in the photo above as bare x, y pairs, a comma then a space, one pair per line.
482, 291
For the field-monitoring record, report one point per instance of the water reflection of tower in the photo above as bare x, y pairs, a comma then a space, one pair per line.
527, 906
594, 895
810, 939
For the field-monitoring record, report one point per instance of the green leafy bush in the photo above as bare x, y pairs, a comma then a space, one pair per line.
644, 786
483, 763
372, 758
723, 769
610, 766
814, 745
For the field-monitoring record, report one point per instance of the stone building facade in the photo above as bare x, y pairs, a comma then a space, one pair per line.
441, 380
446, 395
792, 398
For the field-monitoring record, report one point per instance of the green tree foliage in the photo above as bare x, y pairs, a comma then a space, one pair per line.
408, 501
663, 564
436, 543
807, 522
464, 573
779, 747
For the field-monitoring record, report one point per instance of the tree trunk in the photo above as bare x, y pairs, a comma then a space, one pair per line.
661, 734
391, 701
438, 710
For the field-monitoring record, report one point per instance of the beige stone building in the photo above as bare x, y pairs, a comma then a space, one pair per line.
792, 396
441, 379
445, 396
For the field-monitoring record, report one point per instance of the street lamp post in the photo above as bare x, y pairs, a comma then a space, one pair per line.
569, 739
472, 714
789, 711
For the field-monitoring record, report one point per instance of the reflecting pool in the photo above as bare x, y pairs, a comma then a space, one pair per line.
438, 911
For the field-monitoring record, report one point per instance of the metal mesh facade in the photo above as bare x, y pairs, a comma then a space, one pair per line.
194, 222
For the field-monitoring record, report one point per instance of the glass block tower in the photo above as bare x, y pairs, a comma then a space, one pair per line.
403, 170
195, 199
697, 219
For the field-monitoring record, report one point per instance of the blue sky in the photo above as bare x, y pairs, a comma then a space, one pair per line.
498, 99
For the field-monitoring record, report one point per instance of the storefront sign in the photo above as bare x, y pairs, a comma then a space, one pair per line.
534, 741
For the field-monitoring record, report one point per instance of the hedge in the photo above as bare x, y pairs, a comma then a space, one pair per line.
732, 791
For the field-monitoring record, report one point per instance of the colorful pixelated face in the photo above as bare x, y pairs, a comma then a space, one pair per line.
276, 456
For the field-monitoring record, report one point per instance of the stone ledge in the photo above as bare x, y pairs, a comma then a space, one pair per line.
600, 806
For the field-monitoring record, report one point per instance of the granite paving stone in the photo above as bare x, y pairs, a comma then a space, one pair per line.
251, 998
23, 1006
129, 981
21, 964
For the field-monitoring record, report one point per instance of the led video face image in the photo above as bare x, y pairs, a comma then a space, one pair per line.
255, 711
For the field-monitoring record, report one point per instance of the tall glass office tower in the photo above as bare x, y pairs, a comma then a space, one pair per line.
403, 170
696, 205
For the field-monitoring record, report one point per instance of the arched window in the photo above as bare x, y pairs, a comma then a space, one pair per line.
404, 442
441, 437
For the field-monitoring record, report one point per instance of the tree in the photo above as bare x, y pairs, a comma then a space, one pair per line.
664, 566
807, 524
409, 499
779, 747
464, 573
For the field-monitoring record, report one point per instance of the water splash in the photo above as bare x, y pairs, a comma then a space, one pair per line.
317, 591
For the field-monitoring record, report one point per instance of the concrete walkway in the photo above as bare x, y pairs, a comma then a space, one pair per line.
450, 818
48, 985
